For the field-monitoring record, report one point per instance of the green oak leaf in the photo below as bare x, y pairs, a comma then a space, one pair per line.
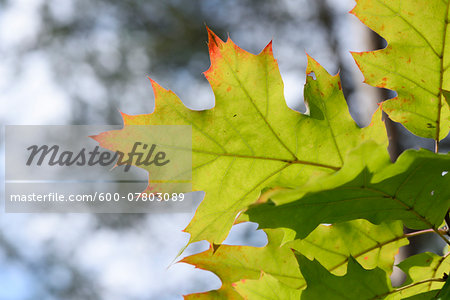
415, 63
357, 283
267, 287
251, 139
234, 263
414, 190
371, 245
422, 267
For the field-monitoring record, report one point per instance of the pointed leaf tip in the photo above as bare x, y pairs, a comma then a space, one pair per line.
154, 84
268, 49
126, 118
314, 67
157, 89
311, 62
214, 42
94, 137
352, 11
151, 80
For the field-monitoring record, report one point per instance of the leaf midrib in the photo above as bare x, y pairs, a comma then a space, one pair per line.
441, 260
302, 162
441, 79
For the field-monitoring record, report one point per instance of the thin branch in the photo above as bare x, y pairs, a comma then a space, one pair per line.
415, 233
439, 232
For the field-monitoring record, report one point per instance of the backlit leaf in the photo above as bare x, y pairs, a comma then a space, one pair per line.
234, 263
371, 245
357, 283
414, 190
251, 139
421, 267
415, 64
267, 287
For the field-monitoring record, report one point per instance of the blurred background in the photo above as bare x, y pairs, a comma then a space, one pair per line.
82, 61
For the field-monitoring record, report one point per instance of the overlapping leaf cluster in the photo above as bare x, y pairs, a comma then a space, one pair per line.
258, 160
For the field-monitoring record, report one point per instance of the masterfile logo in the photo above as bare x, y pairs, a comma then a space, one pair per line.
91, 158
64, 169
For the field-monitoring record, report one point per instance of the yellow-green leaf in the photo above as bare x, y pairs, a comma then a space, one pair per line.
234, 263
415, 64
357, 283
251, 139
267, 287
414, 189
371, 245
422, 267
